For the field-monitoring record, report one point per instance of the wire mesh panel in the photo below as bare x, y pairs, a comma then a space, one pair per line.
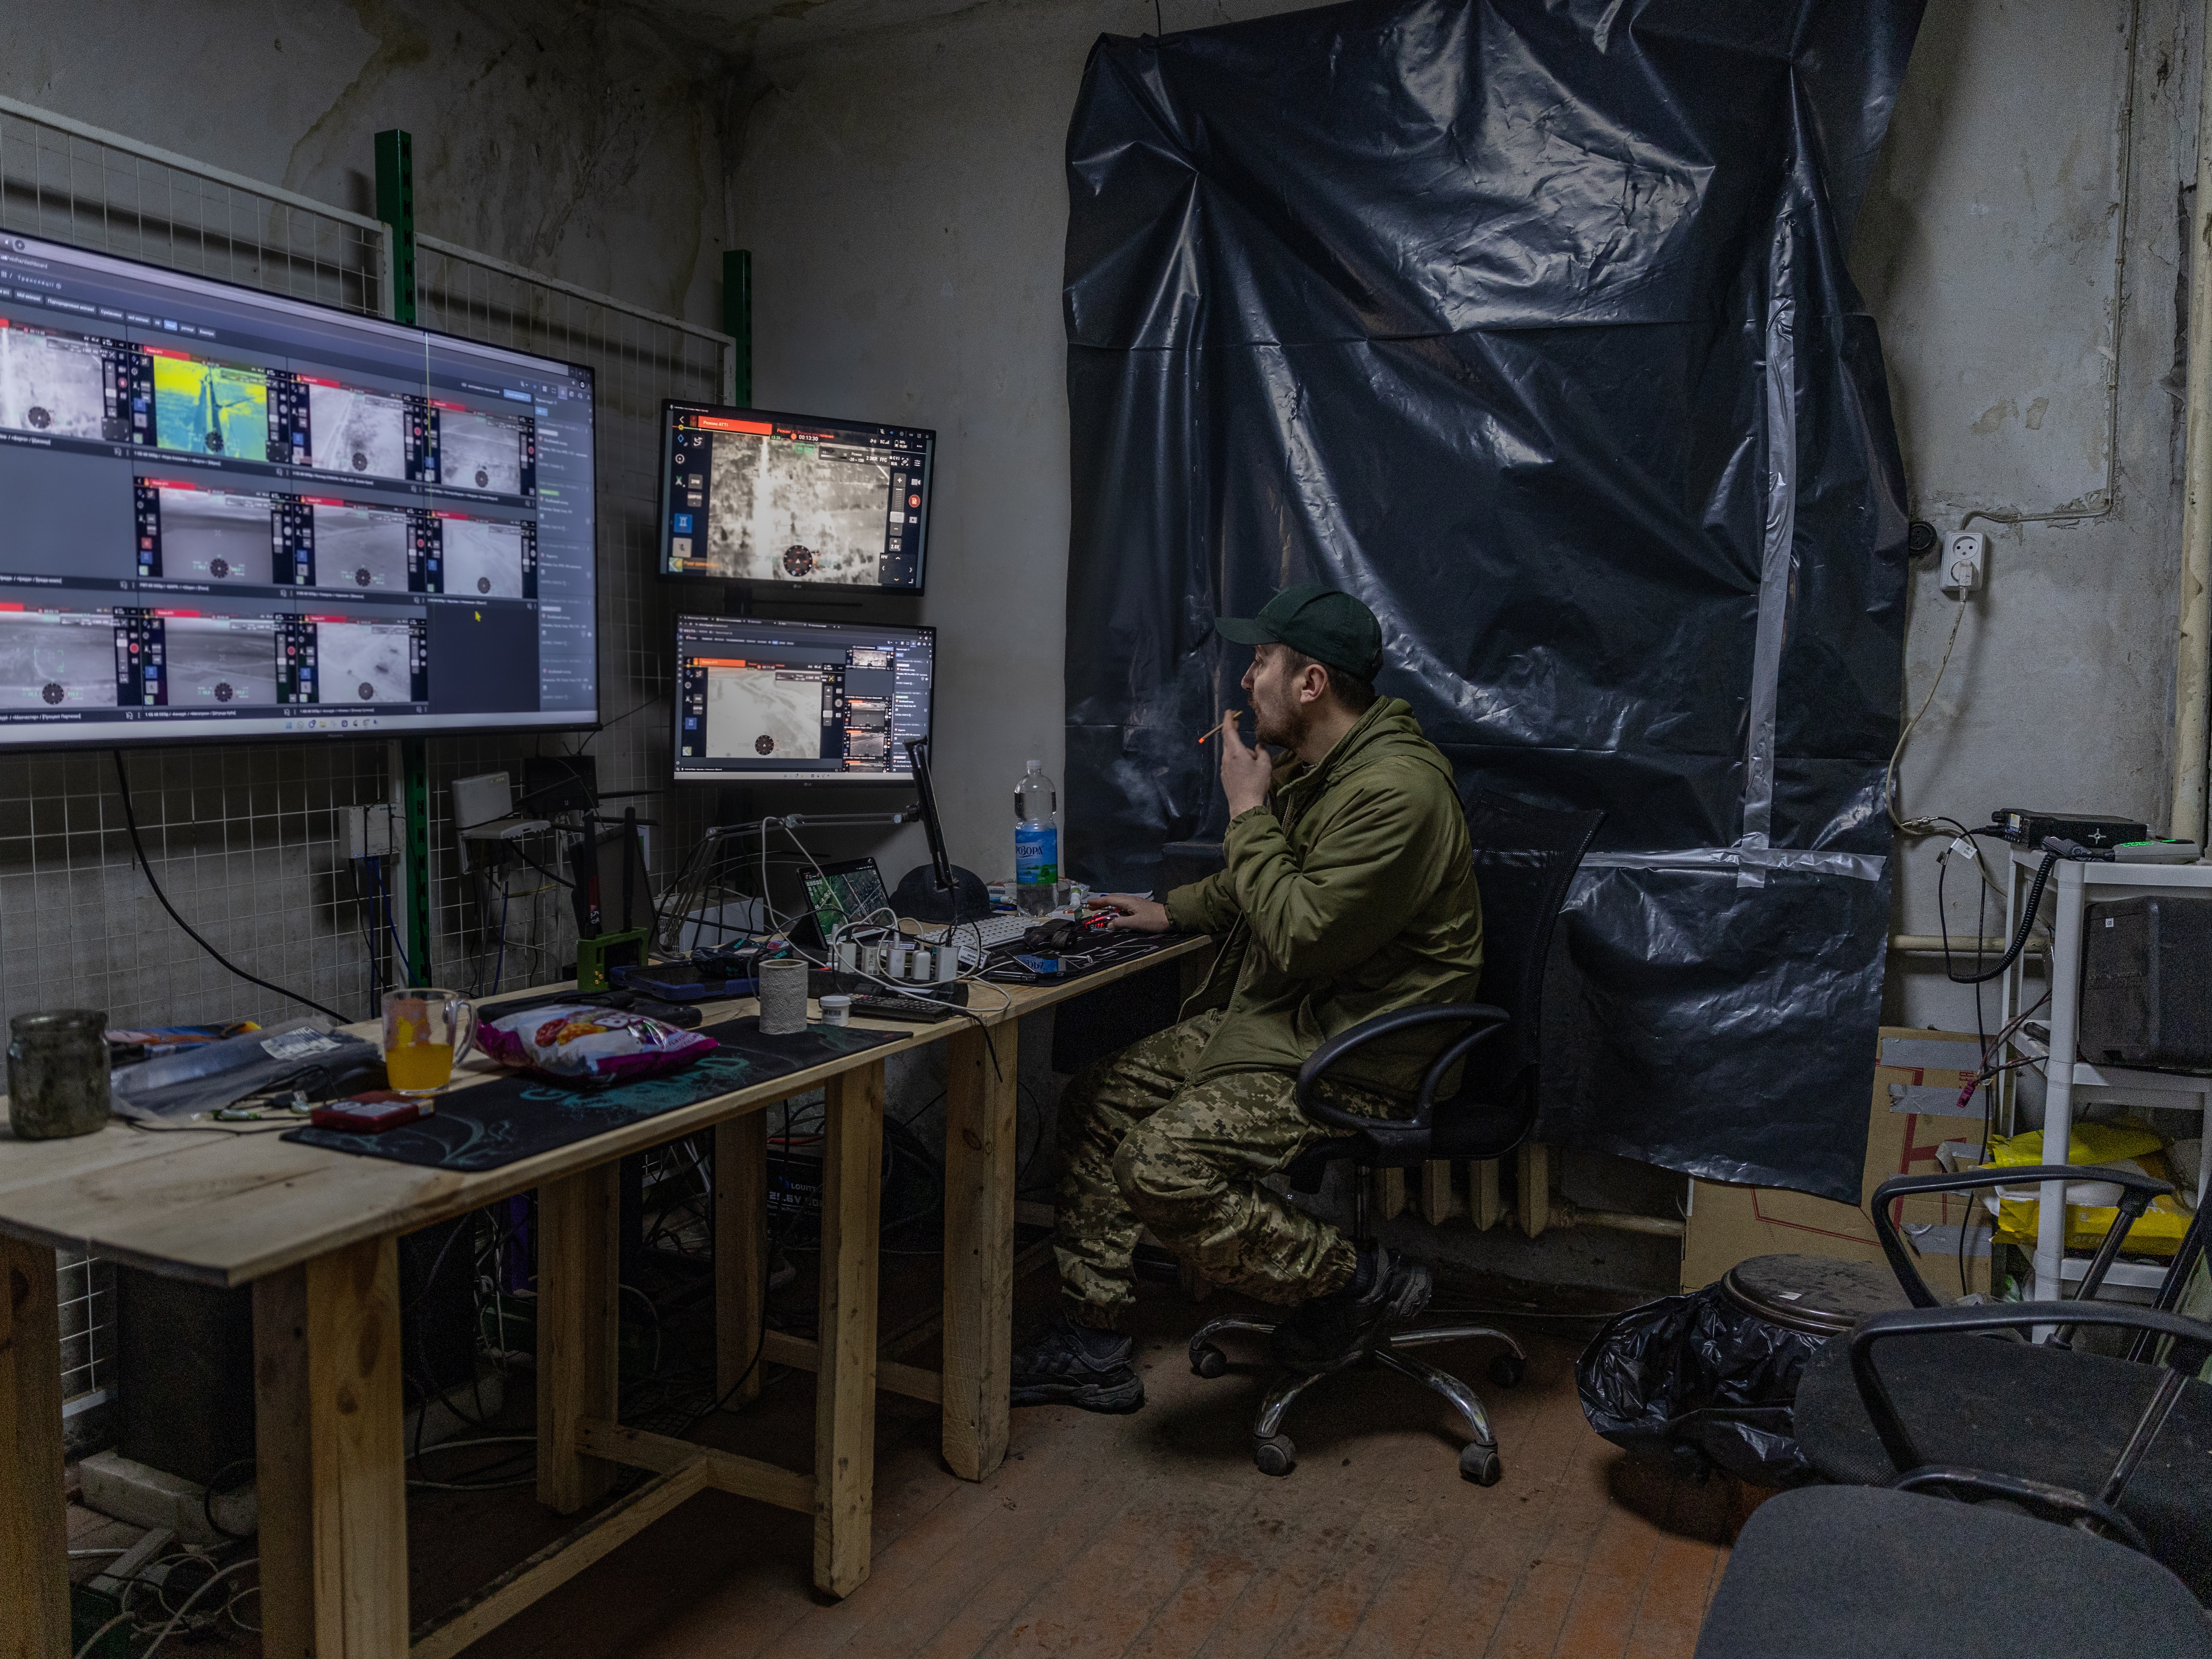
248, 842
637, 358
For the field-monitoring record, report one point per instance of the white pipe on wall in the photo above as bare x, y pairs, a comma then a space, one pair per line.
2192, 688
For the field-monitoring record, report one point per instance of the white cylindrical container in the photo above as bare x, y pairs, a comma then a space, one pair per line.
783, 997
836, 1011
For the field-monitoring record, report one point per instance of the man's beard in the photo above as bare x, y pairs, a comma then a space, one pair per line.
1276, 727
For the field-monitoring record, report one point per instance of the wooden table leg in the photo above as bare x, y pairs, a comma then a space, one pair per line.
330, 1468
980, 1104
578, 1328
740, 1249
34, 1604
845, 1384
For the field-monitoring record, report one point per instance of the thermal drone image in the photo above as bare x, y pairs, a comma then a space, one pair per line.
214, 536
52, 385
763, 713
483, 558
210, 409
363, 432
361, 548
362, 662
480, 452
217, 662
781, 511
56, 661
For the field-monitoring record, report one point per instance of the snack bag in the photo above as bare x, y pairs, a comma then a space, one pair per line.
598, 1045
2093, 1205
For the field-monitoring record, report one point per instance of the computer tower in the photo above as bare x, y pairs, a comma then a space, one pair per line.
2146, 984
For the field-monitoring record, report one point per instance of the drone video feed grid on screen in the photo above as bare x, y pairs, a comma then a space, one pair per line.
751, 495
799, 701
231, 514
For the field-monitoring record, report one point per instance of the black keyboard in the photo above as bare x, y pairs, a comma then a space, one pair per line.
915, 1009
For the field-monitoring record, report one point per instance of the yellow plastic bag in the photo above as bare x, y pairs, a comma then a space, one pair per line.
2122, 1142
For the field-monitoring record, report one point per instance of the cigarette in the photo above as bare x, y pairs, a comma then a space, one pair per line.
1230, 719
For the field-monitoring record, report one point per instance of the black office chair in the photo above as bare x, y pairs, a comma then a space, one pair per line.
1525, 860
1846, 1572
2135, 1434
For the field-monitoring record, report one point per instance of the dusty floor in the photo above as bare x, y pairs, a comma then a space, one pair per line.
1146, 1534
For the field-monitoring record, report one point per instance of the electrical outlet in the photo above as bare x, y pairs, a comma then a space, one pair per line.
372, 831
1964, 553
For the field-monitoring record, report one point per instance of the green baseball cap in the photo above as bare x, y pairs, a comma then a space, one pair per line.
1334, 629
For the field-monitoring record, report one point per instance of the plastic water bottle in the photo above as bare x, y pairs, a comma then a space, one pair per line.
1037, 841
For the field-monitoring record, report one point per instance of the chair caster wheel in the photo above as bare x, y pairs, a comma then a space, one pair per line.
1480, 1464
1275, 1456
1506, 1369
1209, 1361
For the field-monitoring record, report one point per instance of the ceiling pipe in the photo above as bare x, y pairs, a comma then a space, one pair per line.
2192, 688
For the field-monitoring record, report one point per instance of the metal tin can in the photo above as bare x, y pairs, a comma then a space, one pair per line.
57, 1073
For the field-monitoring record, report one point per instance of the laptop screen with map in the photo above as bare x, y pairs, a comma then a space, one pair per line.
793, 702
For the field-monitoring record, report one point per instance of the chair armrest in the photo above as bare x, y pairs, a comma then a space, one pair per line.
2060, 1503
1488, 1020
2192, 1342
2139, 1190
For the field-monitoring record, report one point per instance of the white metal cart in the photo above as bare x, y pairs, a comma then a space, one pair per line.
2072, 887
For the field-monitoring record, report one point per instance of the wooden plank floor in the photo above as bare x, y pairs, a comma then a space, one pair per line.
1151, 1534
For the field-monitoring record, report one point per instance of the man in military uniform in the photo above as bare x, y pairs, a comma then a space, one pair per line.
1349, 892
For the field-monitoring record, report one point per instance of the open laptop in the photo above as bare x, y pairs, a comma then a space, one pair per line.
849, 890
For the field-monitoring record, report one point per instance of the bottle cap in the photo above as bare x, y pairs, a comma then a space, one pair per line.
1037, 764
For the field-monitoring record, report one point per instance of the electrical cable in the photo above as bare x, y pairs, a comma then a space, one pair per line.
2019, 938
1922, 826
213, 1580
130, 822
400, 950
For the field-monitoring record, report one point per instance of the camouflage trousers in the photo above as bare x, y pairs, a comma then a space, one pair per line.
1145, 1146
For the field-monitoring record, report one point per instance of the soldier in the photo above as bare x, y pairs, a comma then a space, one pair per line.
1349, 892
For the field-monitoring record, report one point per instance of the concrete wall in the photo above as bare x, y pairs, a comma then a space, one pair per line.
576, 139
2022, 246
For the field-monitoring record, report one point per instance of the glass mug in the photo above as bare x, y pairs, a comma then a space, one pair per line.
426, 1032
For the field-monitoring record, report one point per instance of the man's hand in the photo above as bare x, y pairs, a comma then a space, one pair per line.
1246, 772
1135, 915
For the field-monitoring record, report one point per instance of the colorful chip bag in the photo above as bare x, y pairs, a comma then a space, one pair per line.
582, 1044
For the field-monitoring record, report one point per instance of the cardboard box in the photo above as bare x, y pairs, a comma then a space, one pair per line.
1913, 1114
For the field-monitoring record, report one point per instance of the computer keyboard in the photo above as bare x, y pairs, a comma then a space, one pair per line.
977, 939
913, 1009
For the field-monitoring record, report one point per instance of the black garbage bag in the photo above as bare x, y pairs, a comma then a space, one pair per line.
1699, 1371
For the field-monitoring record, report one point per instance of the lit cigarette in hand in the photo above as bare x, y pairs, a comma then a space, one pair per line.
1230, 719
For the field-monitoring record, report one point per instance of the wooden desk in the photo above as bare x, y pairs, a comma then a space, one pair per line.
315, 1232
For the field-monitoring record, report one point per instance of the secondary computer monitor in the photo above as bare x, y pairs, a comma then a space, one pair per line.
800, 702
226, 514
749, 494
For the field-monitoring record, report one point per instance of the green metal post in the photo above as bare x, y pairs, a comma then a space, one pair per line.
738, 318
395, 205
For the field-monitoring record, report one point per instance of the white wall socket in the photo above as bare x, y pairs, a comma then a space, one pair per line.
1965, 553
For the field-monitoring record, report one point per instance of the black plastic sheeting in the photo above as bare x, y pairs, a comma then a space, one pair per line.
1699, 1370
1530, 325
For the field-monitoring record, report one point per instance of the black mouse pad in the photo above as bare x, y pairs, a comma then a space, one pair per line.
513, 1117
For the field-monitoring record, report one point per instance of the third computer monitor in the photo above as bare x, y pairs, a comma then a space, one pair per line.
799, 703
748, 495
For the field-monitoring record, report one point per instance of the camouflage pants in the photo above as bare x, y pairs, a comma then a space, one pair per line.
1144, 1146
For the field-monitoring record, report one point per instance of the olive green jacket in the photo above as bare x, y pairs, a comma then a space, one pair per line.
1350, 893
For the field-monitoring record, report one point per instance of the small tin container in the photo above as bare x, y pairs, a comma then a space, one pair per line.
836, 1011
57, 1074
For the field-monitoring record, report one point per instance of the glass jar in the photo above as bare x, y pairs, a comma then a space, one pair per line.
57, 1073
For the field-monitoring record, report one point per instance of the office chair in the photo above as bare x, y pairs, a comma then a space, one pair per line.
1525, 860
2137, 1434
1843, 1572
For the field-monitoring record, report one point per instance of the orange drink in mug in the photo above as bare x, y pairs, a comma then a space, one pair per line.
426, 1033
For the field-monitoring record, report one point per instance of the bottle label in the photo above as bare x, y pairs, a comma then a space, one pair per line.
1037, 854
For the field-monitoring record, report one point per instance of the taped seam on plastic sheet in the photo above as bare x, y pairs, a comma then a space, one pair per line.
1751, 864
1778, 563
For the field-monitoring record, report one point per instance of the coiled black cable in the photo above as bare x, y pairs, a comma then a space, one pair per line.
2019, 939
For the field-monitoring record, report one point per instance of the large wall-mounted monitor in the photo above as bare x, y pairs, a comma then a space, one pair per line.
748, 495
799, 703
224, 513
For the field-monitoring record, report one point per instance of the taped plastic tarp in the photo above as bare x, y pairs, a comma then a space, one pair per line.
1699, 1370
1528, 324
